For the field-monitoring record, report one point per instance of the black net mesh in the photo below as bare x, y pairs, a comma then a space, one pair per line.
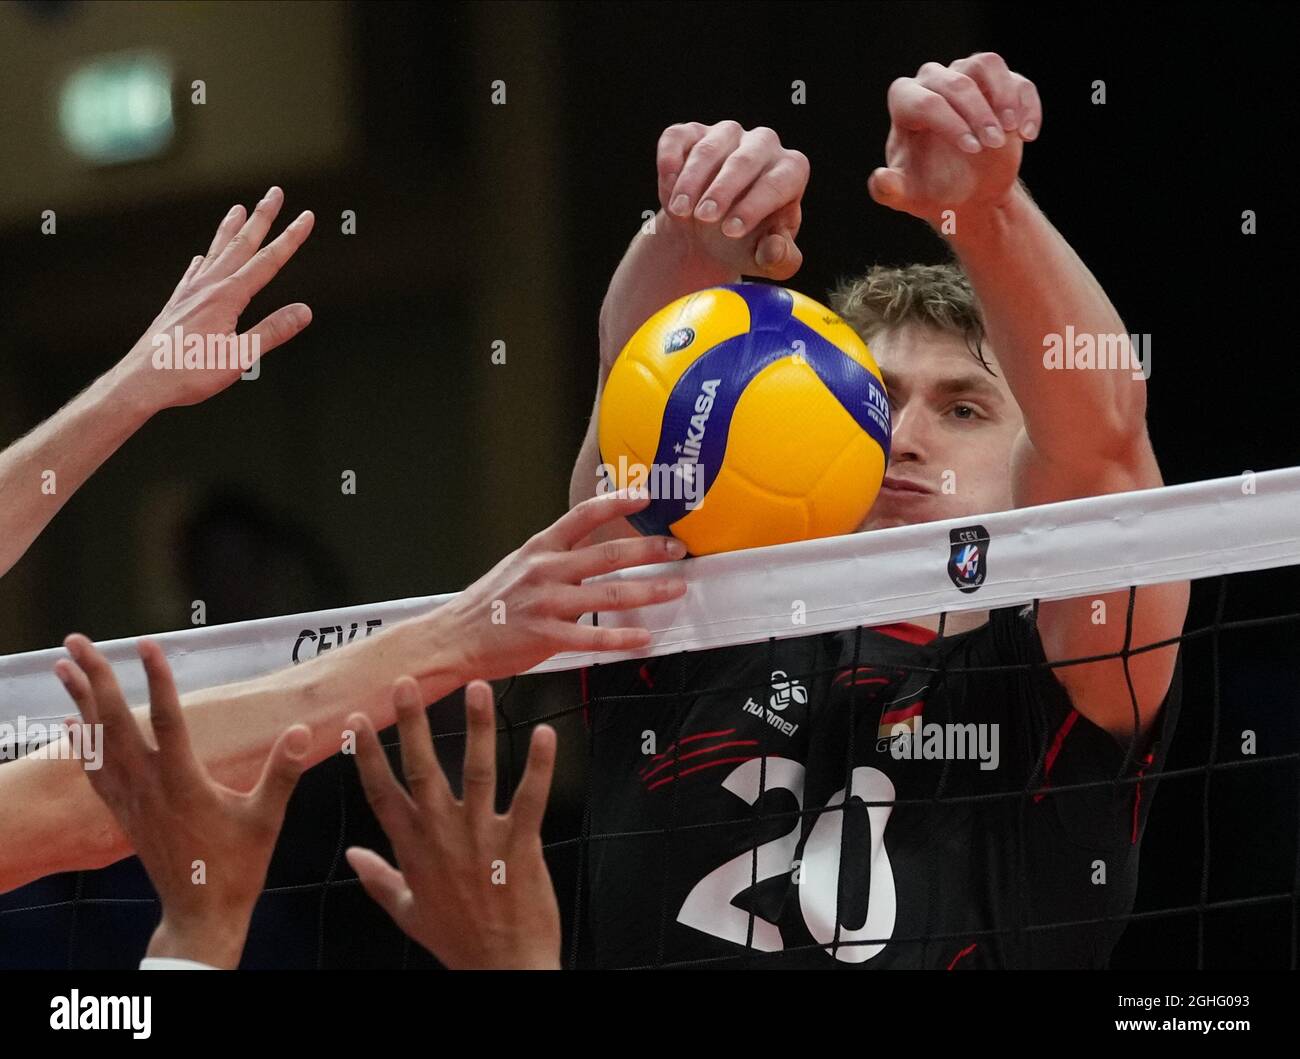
658, 864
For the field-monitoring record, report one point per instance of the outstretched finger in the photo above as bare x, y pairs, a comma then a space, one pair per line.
261, 268
587, 517
230, 224
384, 883
391, 805
165, 715
424, 776
246, 242
569, 602
120, 729
617, 554
76, 684
586, 638
100, 772
284, 765
278, 328
529, 804
480, 772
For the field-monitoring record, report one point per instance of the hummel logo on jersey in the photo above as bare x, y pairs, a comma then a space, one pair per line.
786, 691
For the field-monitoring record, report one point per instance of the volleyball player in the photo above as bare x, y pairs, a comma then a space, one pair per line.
908, 882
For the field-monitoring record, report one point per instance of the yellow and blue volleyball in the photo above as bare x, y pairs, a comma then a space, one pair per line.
753, 415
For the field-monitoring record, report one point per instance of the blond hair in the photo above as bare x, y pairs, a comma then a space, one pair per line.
937, 296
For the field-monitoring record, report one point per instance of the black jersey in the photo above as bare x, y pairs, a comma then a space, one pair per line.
720, 835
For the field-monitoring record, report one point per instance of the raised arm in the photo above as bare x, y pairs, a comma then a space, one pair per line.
955, 144
729, 206
515, 616
40, 472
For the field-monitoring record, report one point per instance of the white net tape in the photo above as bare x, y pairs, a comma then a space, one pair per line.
1055, 551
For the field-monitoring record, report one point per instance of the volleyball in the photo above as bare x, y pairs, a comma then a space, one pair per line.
751, 414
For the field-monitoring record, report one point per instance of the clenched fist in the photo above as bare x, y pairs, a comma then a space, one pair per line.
736, 193
955, 138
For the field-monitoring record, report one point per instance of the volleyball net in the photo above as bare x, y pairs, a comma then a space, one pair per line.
797, 770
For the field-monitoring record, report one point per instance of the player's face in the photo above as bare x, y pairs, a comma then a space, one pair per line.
954, 426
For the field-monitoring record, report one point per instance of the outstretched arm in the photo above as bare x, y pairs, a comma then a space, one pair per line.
730, 206
514, 617
40, 472
955, 144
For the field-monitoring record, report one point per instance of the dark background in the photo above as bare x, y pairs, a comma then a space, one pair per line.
478, 223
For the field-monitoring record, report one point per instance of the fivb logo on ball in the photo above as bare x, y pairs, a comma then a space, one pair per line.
681, 480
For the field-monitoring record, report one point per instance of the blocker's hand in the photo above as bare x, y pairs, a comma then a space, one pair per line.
956, 137
209, 299
471, 884
736, 193
206, 847
525, 608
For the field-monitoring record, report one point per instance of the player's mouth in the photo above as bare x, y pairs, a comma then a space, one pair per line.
902, 488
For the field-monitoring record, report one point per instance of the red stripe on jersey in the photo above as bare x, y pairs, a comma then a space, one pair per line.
691, 739
697, 753
845, 674
907, 632
1137, 797
1055, 749
697, 768
964, 953
644, 674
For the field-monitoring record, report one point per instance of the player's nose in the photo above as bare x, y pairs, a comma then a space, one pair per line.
907, 440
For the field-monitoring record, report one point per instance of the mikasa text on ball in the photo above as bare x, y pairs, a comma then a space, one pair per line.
752, 414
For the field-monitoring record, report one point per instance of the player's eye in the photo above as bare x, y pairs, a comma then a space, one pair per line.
965, 411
